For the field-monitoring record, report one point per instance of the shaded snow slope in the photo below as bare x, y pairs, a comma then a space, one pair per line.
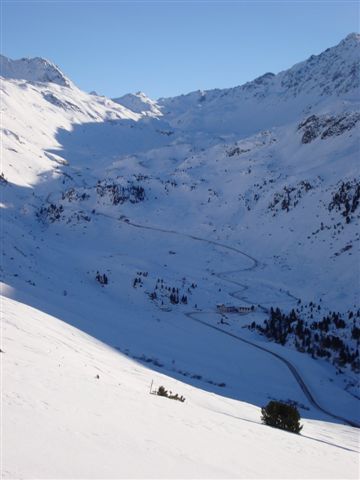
90, 415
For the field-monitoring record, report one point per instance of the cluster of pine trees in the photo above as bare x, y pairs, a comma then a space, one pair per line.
175, 298
102, 278
320, 339
138, 280
174, 295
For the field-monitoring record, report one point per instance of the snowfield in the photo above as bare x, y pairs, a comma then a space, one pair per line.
61, 421
129, 226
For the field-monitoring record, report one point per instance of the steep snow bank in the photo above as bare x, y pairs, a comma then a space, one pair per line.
75, 408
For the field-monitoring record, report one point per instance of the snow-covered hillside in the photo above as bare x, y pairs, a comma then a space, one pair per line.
75, 408
34, 112
130, 227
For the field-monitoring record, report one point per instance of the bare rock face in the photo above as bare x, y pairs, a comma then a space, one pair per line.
326, 126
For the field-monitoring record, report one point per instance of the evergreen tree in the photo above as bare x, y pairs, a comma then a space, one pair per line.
280, 415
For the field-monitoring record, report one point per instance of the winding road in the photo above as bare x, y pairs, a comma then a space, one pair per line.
223, 275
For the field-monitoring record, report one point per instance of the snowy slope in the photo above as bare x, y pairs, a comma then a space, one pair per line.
89, 414
139, 103
32, 117
241, 197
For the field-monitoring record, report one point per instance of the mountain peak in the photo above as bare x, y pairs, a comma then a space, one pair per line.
351, 37
35, 69
139, 102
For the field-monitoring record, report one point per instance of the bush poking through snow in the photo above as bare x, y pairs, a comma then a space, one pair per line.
162, 392
3, 180
280, 415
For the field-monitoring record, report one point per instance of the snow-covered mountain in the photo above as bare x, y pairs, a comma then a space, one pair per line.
320, 83
139, 103
33, 114
131, 228
33, 70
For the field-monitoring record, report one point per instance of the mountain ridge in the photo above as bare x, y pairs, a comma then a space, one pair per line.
42, 70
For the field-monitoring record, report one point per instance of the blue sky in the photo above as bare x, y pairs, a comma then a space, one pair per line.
166, 48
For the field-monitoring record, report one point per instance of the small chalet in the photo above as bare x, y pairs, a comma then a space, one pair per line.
232, 309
